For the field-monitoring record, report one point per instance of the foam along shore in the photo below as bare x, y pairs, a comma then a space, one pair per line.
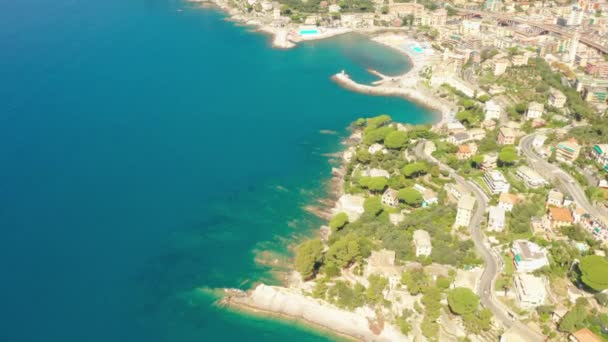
290, 302
283, 37
395, 86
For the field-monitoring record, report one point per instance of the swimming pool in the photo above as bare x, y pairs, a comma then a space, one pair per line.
417, 49
308, 32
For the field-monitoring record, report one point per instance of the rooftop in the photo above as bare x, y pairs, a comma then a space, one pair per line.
561, 214
466, 202
586, 335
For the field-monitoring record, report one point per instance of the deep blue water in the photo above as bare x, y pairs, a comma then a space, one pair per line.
149, 154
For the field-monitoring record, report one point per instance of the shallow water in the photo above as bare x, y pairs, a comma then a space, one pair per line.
146, 153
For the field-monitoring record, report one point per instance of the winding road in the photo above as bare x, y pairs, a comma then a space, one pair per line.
492, 266
565, 182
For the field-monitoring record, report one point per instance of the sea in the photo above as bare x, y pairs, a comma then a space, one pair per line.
152, 153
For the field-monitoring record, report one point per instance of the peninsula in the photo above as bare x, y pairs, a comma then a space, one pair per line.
491, 224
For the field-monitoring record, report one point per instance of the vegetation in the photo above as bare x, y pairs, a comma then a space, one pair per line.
410, 196
338, 221
376, 184
308, 257
594, 272
373, 205
507, 155
415, 169
462, 301
396, 140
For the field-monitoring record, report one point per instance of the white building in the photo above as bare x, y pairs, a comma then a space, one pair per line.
465, 211
375, 173
530, 290
496, 182
352, 205
470, 27
535, 110
528, 256
506, 201
377, 148
456, 190
492, 110
389, 197
555, 198
532, 178
422, 242
496, 219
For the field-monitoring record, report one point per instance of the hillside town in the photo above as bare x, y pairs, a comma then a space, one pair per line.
491, 225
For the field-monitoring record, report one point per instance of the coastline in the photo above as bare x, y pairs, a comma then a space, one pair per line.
287, 303
290, 300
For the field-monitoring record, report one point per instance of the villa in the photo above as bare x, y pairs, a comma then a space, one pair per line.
506, 201
567, 151
496, 182
390, 198
560, 217
492, 110
530, 290
535, 111
530, 177
422, 242
465, 211
557, 99
528, 256
506, 136
496, 219
555, 198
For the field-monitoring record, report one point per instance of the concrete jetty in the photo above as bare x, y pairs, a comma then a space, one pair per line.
397, 88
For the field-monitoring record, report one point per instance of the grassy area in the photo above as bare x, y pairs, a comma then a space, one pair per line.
509, 267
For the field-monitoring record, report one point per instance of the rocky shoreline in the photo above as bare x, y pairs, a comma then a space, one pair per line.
359, 325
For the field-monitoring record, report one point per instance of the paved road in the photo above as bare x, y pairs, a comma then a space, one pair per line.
562, 179
492, 266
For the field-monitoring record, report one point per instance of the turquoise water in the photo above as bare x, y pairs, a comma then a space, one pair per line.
150, 155
305, 32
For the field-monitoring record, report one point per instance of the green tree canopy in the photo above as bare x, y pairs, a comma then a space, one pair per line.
338, 221
343, 252
463, 301
309, 255
415, 169
373, 205
396, 140
410, 196
379, 120
373, 183
594, 269
377, 284
375, 135
507, 155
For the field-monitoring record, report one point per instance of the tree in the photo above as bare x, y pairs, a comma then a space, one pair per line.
410, 196
484, 98
415, 169
507, 155
396, 140
343, 252
309, 255
377, 284
373, 205
379, 120
363, 156
573, 319
521, 108
374, 135
373, 183
468, 104
477, 160
462, 301
338, 221
594, 272
415, 281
